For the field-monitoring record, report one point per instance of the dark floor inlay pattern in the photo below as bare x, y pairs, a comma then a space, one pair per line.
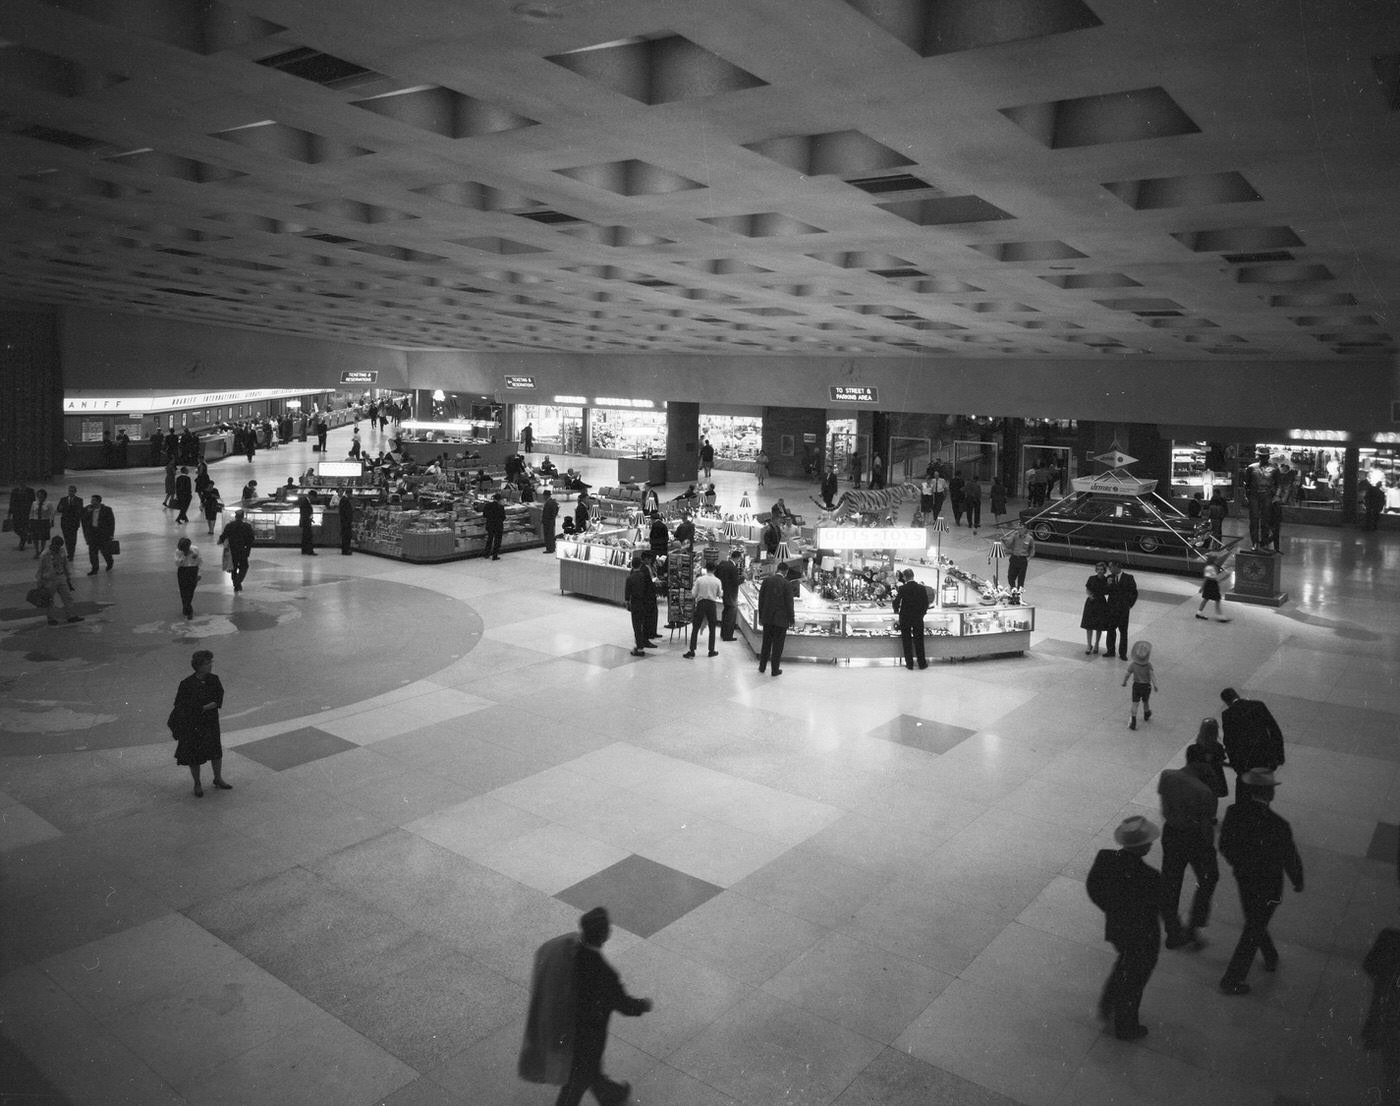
604, 656
922, 733
1385, 843
287, 750
640, 895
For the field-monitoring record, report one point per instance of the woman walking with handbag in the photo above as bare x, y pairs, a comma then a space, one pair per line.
187, 564
194, 721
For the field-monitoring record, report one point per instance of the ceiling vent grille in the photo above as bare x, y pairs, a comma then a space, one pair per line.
1256, 258
322, 69
548, 217
893, 274
886, 183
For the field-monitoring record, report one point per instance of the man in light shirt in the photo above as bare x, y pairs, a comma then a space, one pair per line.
708, 594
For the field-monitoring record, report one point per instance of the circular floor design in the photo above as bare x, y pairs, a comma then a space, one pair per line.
284, 648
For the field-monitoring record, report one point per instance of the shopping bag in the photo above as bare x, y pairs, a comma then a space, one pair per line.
228, 559
38, 597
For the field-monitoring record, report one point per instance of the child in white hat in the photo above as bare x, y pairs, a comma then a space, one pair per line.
1144, 681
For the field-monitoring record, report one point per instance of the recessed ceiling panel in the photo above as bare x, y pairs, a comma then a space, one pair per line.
946, 211
933, 27
1133, 116
1198, 190
657, 70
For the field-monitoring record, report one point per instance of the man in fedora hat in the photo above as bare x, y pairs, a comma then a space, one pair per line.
1258, 845
1129, 892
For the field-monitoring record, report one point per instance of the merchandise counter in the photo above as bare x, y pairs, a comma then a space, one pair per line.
867, 636
596, 565
430, 537
488, 454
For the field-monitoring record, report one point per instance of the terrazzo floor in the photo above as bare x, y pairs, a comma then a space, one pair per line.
848, 886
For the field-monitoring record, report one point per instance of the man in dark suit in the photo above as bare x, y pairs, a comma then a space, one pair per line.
70, 518
775, 615
1129, 892
1122, 594
549, 514
598, 991
911, 604
639, 596
22, 498
308, 541
347, 523
184, 495
730, 576
493, 513
829, 487
1259, 846
99, 528
1251, 737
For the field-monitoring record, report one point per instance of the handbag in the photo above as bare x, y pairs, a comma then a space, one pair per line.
228, 559
38, 596
114, 547
8, 524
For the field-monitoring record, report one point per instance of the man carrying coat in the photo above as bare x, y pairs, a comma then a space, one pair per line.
1129, 892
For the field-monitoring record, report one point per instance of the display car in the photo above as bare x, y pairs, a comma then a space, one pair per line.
1117, 520
1115, 512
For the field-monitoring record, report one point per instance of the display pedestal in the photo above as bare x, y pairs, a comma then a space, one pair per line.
1258, 578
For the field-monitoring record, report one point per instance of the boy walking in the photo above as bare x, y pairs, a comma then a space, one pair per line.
1144, 681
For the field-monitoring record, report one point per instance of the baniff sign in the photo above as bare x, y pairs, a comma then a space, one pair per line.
520, 383
853, 393
360, 376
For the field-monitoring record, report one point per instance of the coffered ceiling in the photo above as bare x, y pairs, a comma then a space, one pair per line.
1200, 179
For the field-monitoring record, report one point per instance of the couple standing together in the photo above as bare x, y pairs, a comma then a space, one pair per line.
1111, 596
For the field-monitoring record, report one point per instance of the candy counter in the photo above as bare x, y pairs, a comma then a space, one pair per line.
428, 537
867, 634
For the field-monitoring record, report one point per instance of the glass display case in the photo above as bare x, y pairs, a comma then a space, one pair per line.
430, 536
867, 635
596, 564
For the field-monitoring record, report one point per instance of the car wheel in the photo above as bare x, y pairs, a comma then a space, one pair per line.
1148, 543
1043, 532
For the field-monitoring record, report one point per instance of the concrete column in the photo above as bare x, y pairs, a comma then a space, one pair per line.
682, 442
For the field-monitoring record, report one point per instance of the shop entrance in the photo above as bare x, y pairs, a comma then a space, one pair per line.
909, 458
1038, 456
842, 445
975, 458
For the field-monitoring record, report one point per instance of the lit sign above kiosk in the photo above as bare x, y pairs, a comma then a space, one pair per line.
871, 537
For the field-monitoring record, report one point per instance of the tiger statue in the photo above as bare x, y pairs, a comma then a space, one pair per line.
868, 501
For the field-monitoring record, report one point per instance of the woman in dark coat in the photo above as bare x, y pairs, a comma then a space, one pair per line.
194, 721
1095, 618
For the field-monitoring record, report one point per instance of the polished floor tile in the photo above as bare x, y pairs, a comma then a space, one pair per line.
288, 750
640, 895
922, 733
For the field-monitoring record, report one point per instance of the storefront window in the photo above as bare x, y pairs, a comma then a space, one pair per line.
735, 437
1380, 467
555, 429
632, 433
841, 444
1311, 474
1200, 467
